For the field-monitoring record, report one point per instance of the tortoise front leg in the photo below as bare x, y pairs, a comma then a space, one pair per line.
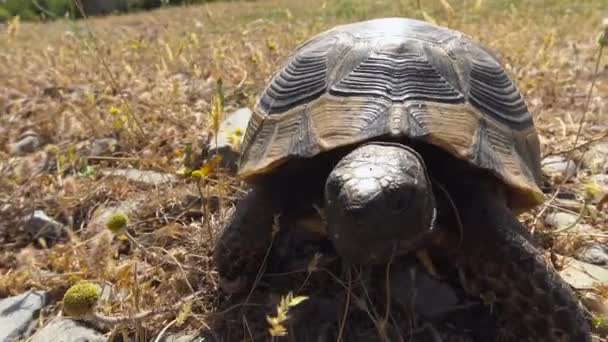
499, 259
241, 246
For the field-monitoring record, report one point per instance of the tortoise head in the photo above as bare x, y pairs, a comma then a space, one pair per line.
378, 201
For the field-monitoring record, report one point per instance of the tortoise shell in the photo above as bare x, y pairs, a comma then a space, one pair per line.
396, 78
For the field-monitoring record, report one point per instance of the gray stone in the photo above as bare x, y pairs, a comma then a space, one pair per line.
560, 220
229, 150
18, 314
582, 275
104, 146
596, 158
142, 176
26, 167
97, 224
38, 224
25, 145
596, 254
67, 330
558, 167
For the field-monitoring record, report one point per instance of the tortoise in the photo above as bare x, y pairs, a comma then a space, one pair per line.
413, 136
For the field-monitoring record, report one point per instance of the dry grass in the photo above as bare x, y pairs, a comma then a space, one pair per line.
148, 80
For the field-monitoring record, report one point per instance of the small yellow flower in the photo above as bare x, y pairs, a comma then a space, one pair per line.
271, 44
196, 174
209, 167
114, 111
80, 299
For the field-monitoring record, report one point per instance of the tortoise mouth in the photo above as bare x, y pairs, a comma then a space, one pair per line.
378, 201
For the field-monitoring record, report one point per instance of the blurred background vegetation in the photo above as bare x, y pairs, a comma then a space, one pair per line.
52, 9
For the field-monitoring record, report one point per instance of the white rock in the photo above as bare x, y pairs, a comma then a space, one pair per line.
67, 330
143, 176
18, 314
582, 275
558, 167
560, 220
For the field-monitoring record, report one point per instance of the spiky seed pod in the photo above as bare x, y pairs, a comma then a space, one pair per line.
117, 222
80, 299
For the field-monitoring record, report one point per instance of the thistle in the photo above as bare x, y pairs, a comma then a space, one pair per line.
117, 222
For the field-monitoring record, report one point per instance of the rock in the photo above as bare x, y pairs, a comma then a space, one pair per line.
38, 224
596, 254
596, 158
558, 167
67, 330
595, 303
582, 275
97, 224
106, 293
28, 142
560, 220
184, 338
104, 146
18, 315
229, 130
142, 176
32, 164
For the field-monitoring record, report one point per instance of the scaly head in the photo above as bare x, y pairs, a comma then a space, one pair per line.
378, 198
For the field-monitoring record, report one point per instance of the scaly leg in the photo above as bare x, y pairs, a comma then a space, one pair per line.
241, 246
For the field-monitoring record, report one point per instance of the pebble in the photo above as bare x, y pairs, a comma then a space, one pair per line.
39, 224
103, 146
560, 219
596, 254
28, 142
558, 167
